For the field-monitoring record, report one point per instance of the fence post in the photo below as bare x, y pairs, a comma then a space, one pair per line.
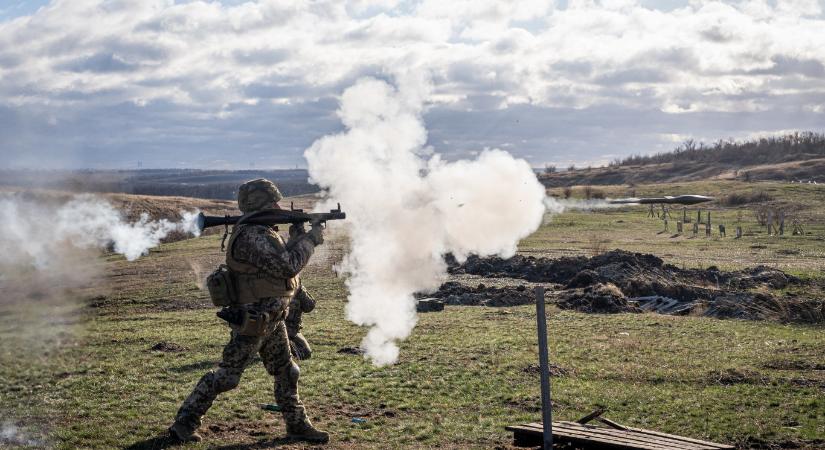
544, 367
707, 226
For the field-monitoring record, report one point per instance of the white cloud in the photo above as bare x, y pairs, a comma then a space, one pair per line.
207, 66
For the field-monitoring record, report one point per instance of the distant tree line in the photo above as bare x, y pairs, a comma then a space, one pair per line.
211, 184
766, 150
217, 191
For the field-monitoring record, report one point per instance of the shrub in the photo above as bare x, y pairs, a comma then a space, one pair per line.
738, 199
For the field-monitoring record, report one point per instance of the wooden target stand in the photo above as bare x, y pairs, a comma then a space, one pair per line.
581, 434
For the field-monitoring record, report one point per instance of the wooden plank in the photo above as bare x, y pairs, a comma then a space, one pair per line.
633, 436
591, 416
611, 423
683, 438
714, 445
584, 436
646, 438
637, 438
579, 439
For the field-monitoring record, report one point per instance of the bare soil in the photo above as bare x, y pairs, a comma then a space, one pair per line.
620, 281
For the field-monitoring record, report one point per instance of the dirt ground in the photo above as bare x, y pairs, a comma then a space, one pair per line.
624, 282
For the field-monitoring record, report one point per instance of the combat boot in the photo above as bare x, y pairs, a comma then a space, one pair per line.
304, 431
181, 433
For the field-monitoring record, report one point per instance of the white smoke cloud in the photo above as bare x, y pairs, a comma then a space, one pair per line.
11, 435
35, 234
406, 207
558, 205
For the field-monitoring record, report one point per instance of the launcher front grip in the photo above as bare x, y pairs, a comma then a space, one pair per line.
270, 218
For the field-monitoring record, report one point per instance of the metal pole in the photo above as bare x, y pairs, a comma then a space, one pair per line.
546, 406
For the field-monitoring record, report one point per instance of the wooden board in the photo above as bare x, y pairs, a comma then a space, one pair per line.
603, 437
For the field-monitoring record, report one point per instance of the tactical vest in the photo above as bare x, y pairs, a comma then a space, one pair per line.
253, 284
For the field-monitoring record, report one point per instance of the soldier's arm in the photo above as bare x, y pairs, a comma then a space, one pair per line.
267, 253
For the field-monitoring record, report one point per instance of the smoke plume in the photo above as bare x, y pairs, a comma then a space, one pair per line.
37, 235
13, 436
558, 205
406, 207
49, 260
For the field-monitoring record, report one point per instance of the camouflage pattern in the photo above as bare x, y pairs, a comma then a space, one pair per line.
301, 303
258, 194
237, 354
264, 248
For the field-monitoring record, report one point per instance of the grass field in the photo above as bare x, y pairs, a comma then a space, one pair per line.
88, 378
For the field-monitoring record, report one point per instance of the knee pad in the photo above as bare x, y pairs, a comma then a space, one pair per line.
293, 372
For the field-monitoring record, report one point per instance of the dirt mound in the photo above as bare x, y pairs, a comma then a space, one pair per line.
620, 281
759, 306
351, 351
637, 274
598, 298
528, 268
453, 293
168, 347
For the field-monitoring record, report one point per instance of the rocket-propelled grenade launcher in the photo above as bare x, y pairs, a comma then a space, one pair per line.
272, 217
679, 200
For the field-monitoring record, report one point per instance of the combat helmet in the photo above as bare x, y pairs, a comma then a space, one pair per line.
258, 194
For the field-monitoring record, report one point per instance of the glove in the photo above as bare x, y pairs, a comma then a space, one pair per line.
316, 234
296, 229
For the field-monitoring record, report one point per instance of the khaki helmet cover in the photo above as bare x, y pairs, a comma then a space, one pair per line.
258, 194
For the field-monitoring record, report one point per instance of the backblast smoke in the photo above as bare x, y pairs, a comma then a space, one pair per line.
49, 253
35, 234
406, 207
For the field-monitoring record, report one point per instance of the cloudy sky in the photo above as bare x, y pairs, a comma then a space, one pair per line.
232, 84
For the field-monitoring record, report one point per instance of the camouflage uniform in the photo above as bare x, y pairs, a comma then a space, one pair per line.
259, 246
301, 303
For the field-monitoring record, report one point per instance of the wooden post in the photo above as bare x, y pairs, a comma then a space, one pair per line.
738, 232
666, 227
544, 367
707, 226
679, 227
684, 214
699, 215
695, 228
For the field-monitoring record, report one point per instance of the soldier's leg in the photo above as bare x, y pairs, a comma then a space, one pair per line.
300, 347
275, 352
277, 358
236, 356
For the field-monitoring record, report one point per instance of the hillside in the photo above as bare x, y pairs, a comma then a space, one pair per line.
791, 158
812, 170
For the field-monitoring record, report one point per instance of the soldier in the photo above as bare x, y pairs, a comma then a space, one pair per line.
266, 270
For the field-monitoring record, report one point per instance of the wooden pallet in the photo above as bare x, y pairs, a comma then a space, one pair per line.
613, 437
